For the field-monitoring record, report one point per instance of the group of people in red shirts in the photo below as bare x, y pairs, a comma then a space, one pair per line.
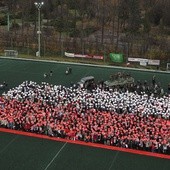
127, 120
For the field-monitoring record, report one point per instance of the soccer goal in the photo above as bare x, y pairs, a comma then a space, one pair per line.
11, 53
168, 67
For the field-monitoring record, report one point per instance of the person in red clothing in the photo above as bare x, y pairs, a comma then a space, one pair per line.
70, 113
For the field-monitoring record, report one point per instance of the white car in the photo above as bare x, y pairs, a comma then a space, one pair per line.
85, 81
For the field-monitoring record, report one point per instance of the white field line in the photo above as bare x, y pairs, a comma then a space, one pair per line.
55, 156
114, 160
81, 64
6, 146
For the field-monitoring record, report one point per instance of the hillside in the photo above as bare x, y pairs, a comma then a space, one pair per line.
135, 28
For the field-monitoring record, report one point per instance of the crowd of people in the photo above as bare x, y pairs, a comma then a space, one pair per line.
128, 83
109, 116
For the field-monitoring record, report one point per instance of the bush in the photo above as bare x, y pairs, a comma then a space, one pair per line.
3, 21
15, 25
89, 31
75, 33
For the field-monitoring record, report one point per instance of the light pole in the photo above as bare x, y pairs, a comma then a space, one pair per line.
38, 6
8, 21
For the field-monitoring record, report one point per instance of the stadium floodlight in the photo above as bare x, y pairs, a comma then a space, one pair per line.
38, 6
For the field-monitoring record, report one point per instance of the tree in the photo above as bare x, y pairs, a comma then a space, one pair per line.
166, 13
134, 19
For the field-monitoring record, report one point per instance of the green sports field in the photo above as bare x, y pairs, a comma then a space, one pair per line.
15, 72
19, 152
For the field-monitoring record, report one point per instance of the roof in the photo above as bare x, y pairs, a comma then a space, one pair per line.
87, 78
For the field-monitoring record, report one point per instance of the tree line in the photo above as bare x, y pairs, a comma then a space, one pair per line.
132, 27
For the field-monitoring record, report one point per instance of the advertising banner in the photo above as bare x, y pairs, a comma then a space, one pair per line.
144, 61
118, 58
99, 57
69, 54
154, 62
134, 59
79, 55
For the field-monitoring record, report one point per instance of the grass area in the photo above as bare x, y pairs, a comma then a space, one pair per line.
106, 62
15, 72
24, 153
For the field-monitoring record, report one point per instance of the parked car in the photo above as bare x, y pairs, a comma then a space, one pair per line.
85, 82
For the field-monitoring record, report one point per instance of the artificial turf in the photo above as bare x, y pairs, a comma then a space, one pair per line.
14, 72
27, 153
19, 152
